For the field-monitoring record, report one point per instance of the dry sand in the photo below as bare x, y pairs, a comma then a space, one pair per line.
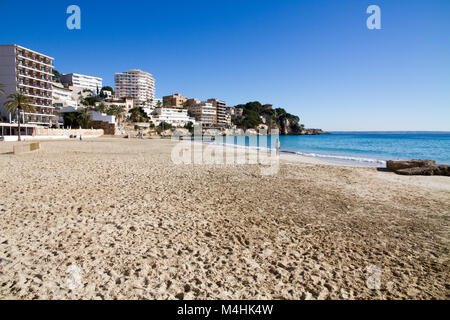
113, 218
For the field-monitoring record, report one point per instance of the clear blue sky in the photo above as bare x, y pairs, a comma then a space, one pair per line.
314, 58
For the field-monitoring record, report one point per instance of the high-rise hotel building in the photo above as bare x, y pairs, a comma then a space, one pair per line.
30, 73
221, 118
137, 84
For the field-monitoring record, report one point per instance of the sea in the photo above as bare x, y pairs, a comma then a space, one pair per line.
371, 149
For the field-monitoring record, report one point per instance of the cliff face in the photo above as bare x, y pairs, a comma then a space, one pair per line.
288, 127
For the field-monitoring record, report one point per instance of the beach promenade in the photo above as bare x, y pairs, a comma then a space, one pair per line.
116, 219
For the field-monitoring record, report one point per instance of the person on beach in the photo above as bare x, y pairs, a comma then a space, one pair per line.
278, 146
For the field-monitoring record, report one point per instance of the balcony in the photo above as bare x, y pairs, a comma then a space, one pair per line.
35, 68
34, 58
34, 76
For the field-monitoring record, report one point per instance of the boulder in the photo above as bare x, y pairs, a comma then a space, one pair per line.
212, 132
251, 132
181, 132
239, 132
395, 165
439, 170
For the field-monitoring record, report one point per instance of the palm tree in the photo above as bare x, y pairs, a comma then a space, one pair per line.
2, 92
18, 103
101, 108
70, 119
115, 110
167, 104
84, 118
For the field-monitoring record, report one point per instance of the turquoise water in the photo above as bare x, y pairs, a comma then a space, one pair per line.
362, 148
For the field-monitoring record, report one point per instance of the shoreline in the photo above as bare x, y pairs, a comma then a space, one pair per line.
371, 149
331, 159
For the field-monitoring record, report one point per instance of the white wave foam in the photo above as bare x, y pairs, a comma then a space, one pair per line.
343, 158
367, 161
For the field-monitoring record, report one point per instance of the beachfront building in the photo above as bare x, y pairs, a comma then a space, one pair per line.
62, 97
30, 73
174, 101
176, 117
203, 112
231, 111
108, 94
126, 103
137, 84
83, 82
10, 131
192, 102
221, 119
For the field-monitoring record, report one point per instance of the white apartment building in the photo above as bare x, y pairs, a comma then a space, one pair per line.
63, 97
30, 73
138, 84
204, 112
176, 117
126, 103
82, 81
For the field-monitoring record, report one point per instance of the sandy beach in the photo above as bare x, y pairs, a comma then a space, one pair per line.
116, 219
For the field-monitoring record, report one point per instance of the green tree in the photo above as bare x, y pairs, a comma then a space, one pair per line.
138, 115
84, 118
2, 91
107, 88
163, 126
101, 108
251, 119
18, 103
115, 110
159, 104
90, 101
253, 111
56, 76
189, 126
70, 119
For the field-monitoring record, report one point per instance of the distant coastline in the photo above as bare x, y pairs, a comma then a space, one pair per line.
389, 132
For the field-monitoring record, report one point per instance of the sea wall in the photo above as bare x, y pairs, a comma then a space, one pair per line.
108, 128
88, 133
57, 134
